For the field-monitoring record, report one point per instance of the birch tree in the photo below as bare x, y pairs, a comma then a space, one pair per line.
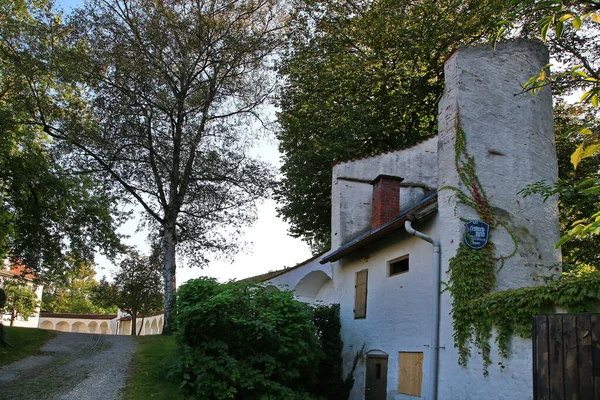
166, 92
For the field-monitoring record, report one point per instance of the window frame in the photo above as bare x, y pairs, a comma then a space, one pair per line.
396, 260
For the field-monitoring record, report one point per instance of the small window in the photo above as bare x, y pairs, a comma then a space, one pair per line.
398, 266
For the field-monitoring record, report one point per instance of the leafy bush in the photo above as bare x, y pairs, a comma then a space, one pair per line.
330, 384
240, 341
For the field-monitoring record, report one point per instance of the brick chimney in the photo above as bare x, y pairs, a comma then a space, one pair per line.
386, 199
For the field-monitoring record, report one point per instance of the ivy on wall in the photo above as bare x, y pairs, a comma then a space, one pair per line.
472, 272
476, 309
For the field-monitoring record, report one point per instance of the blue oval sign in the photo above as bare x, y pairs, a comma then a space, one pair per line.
477, 234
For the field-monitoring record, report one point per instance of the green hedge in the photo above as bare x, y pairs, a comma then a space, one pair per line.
239, 341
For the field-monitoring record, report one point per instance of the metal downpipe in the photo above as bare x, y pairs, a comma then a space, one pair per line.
435, 309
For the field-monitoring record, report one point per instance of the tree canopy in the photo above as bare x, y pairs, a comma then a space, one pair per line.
157, 99
361, 78
48, 211
137, 288
21, 300
364, 77
73, 292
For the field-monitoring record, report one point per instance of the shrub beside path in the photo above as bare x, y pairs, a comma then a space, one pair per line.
71, 366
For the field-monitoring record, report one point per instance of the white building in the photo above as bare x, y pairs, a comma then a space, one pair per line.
387, 280
12, 273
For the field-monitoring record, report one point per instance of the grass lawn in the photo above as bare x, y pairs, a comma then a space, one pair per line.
145, 381
23, 342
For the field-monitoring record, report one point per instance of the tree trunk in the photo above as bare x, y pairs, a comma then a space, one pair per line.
141, 326
133, 322
13, 316
169, 243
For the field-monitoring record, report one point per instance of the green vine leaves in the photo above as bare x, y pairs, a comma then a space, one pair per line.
473, 272
476, 308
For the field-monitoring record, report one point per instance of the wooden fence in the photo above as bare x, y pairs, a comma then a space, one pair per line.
566, 357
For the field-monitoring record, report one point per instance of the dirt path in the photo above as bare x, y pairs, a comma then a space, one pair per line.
71, 366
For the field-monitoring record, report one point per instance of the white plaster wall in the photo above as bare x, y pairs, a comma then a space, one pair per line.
290, 280
351, 193
327, 294
511, 137
398, 307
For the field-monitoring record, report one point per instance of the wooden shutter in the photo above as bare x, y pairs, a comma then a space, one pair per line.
360, 298
410, 366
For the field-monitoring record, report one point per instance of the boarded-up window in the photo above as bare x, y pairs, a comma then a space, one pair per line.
410, 367
360, 298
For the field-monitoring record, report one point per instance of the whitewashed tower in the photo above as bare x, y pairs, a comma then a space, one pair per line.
510, 134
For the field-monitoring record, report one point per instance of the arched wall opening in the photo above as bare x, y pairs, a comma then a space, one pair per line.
309, 288
78, 327
63, 326
104, 328
47, 325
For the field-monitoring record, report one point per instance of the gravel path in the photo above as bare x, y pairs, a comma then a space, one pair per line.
71, 366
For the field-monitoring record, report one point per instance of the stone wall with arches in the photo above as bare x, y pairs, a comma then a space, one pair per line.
79, 323
311, 282
100, 324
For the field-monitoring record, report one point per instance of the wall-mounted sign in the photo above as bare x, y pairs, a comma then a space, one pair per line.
477, 234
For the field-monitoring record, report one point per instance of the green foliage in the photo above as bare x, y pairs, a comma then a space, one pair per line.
47, 211
358, 82
473, 275
137, 288
73, 291
21, 299
239, 341
3, 342
329, 384
472, 271
510, 311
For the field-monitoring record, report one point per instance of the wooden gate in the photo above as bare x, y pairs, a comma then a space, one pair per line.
566, 357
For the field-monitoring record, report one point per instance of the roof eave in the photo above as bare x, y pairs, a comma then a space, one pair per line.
422, 210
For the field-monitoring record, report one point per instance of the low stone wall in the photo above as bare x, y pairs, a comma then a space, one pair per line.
100, 324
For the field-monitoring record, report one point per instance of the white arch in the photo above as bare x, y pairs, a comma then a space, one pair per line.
93, 327
104, 328
308, 287
47, 325
63, 326
147, 327
78, 327
154, 327
160, 325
